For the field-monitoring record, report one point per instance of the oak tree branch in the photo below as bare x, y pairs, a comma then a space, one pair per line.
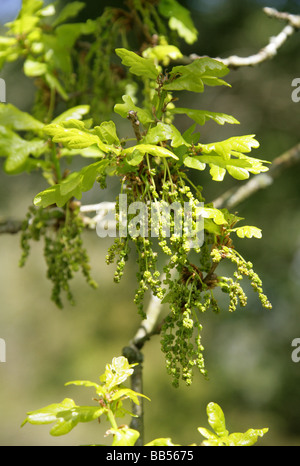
270, 50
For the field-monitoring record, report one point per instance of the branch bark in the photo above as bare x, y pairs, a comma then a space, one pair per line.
270, 50
132, 352
10, 226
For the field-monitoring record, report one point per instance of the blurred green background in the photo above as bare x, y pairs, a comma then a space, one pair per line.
248, 355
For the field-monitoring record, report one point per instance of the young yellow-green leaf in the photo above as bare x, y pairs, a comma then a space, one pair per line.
108, 133
85, 383
73, 186
74, 113
74, 135
17, 150
124, 436
215, 214
237, 172
138, 65
116, 372
163, 53
193, 77
216, 419
202, 116
161, 442
128, 393
34, 68
246, 439
163, 132
217, 172
156, 151
66, 415
248, 232
48, 414
68, 419
208, 434
135, 158
144, 116
193, 162
12, 117
236, 145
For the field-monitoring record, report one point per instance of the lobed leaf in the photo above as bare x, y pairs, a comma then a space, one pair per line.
73, 134
108, 133
66, 415
74, 113
17, 150
248, 232
138, 65
124, 436
156, 151
228, 156
163, 132
144, 116
193, 77
73, 186
247, 439
215, 214
234, 145
13, 118
117, 372
163, 53
202, 116
221, 437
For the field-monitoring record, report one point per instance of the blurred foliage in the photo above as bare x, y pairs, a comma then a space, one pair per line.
249, 361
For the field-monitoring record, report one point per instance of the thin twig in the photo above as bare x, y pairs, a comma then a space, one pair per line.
270, 50
10, 226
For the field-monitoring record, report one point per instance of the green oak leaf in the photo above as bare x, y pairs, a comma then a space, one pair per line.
140, 66
124, 436
144, 116
13, 118
179, 19
248, 232
73, 186
66, 415
156, 151
202, 116
193, 77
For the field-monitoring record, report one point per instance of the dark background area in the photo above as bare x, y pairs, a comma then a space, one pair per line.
248, 354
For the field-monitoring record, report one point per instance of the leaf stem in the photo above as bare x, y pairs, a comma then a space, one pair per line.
111, 419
